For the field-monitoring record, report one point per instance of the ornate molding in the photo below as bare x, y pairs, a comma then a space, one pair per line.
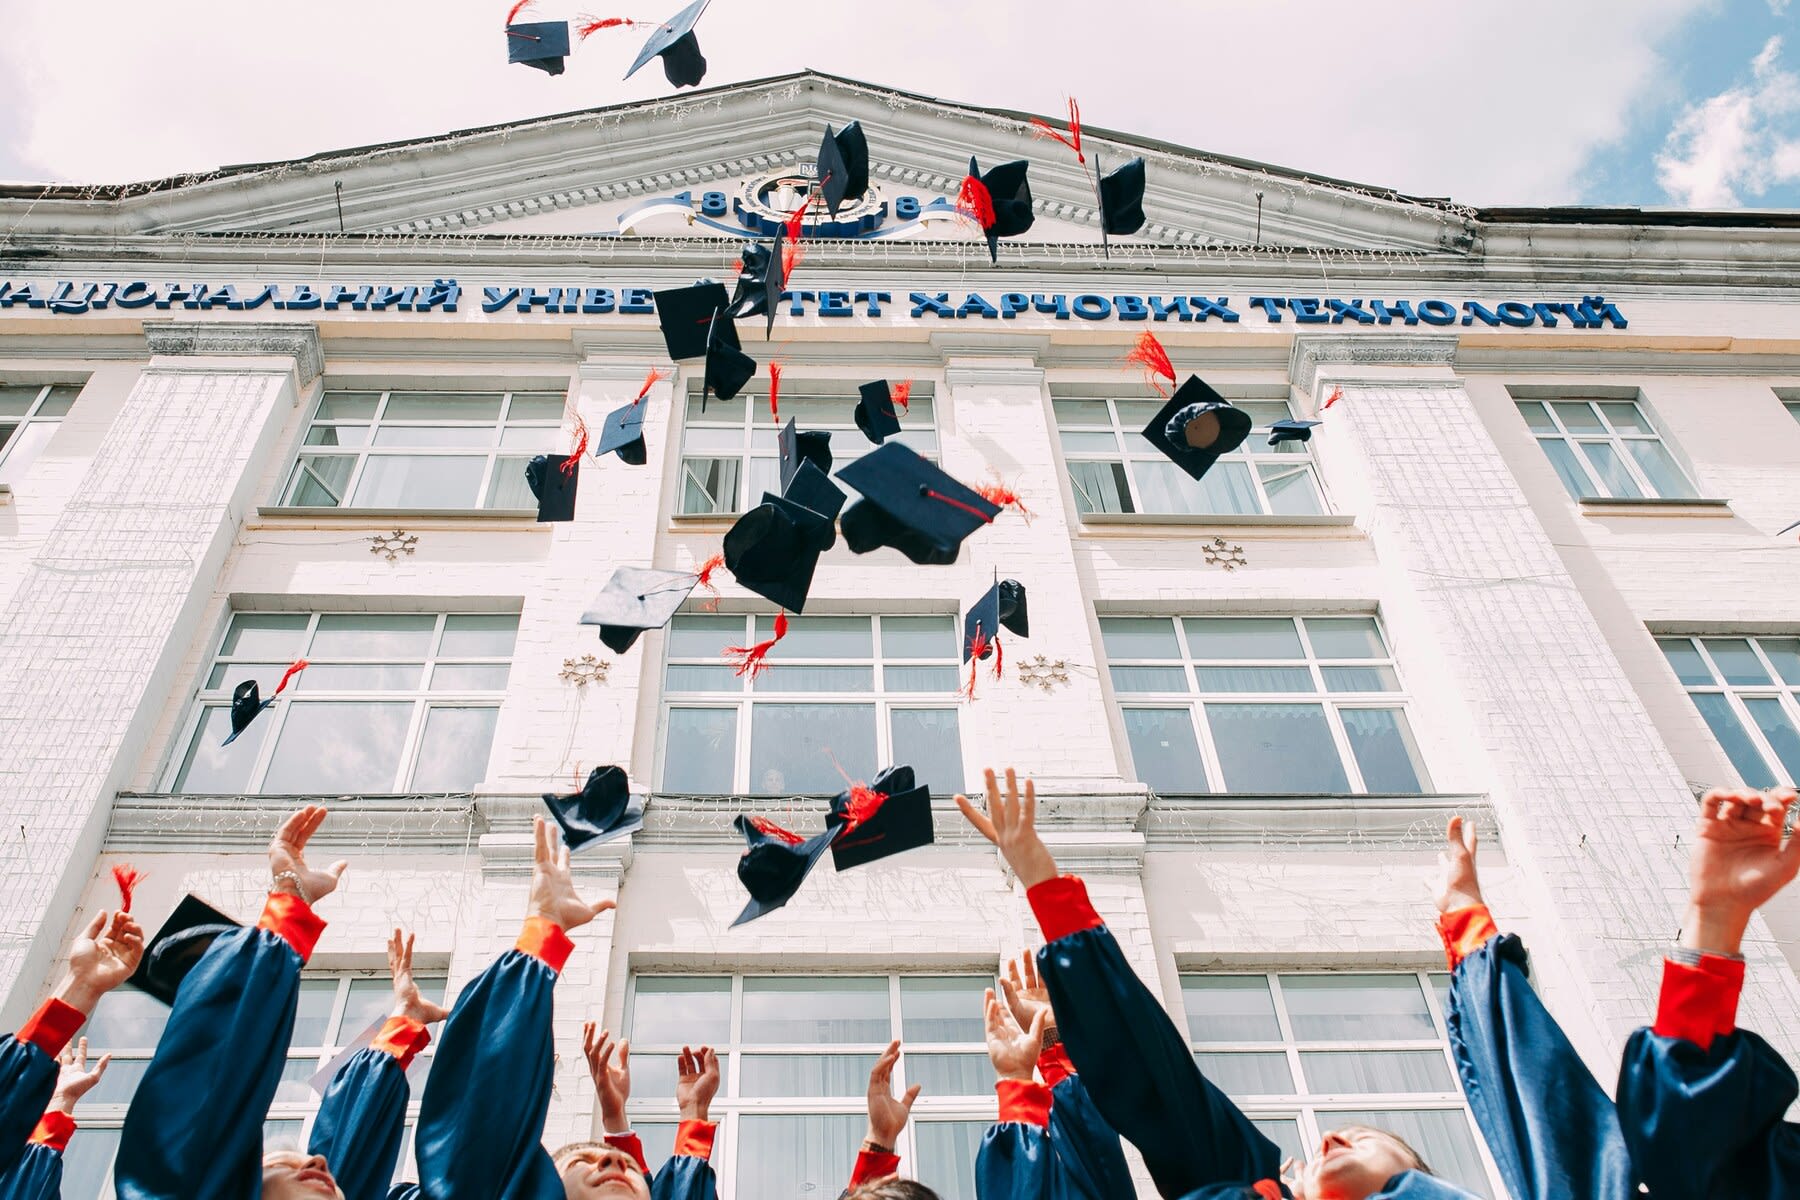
1313, 351
292, 339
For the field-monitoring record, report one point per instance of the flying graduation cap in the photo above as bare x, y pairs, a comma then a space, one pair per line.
1196, 426
623, 434
552, 478
178, 947
247, 703
728, 368
602, 810
775, 863
887, 817
674, 42
843, 166
540, 44
875, 414
686, 317
911, 505
758, 287
1290, 430
812, 445
999, 201
638, 599
774, 549
1121, 198
1000, 607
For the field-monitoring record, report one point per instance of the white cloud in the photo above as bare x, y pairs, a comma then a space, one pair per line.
1778, 7
1739, 143
1485, 103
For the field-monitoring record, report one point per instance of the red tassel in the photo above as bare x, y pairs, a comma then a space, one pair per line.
1072, 139
1005, 497
796, 221
774, 391
902, 394
512, 13
750, 658
581, 445
656, 375
864, 803
294, 668
792, 255
1337, 393
595, 26
769, 828
703, 578
1150, 355
999, 657
975, 202
978, 648
127, 877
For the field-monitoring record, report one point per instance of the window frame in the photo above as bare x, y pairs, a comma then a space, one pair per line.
1130, 447
493, 453
1612, 436
1786, 694
34, 416
423, 699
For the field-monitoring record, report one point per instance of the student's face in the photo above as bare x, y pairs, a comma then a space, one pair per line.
291, 1175
603, 1173
1352, 1164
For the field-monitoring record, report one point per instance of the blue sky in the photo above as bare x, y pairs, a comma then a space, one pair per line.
1691, 103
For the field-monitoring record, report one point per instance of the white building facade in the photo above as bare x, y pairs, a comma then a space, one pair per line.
1527, 569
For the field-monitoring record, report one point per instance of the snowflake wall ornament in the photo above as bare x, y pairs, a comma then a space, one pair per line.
1045, 674
1220, 553
393, 544
585, 670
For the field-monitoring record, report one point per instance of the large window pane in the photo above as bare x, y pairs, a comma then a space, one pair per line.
210, 767
951, 1074
1736, 661
709, 485
1342, 1072
1285, 1133
796, 1155
677, 1010
1361, 1008
320, 480
276, 636
1658, 465
1276, 748
920, 679
792, 747
1578, 417
87, 1161
946, 1008
1241, 1074
442, 406
822, 637
1609, 468
1164, 751
799, 1011
704, 636
1778, 730
1345, 637
1152, 680
1139, 637
1242, 637
930, 742
947, 1152
816, 678
312, 1013
373, 635
805, 1074
1441, 1136
1733, 740
1382, 742
127, 1018
507, 489
1568, 468
1784, 652
1689, 666
918, 637
453, 754
479, 635
420, 481
338, 747
1253, 679
1100, 487
1229, 1008
698, 756
1292, 490
355, 677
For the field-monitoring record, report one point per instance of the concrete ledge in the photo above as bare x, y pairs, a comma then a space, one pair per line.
1323, 820
1651, 506
166, 823
1163, 524
275, 512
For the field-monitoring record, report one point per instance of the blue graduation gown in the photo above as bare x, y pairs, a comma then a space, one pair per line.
1553, 1131
1075, 1156
362, 1123
36, 1176
28, 1070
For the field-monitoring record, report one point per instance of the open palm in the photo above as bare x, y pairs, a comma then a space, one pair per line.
1739, 860
287, 853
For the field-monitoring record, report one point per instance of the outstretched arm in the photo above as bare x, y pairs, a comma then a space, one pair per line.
38, 1173
888, 1116
1133, 1060
688, 1175
1016, 1161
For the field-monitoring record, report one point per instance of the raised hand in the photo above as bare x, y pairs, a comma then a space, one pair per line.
696, 1082
75, 1080
609, 1065
1026, 995
1739, 863
287, 857
553, 895
1011, 824
408, 1000
887, 1115
1013, 1051
104, 955
1459, 886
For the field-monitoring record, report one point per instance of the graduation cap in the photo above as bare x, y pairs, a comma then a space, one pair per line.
912, 506
674, 42
774, 549
602, 810
1196, 426
728, 368
247, 702
552, 479
623, 434
758, 287
1122, 197
1000, 607
540, 44
686, 317
637, 599
775, 863
875, 414
843, 166
1291, 431
178, 947
1000, 201
811, 488
889, 816
813, 445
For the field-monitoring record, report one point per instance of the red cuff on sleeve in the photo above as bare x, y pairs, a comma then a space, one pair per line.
403, 1038
631, 1144
545, 941
1465, 930
694, 1139
1024, 1100
1062, 907
1054, 1064
1699, 1003
51, 1026
872, 1165
54, 1129
292, 920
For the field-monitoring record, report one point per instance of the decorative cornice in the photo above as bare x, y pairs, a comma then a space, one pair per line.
274, 339
1315, 350
164, 823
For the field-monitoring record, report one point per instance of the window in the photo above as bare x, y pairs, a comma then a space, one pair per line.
1303, 1054
392, 702
829, 699
728, 453
1793, 407
1748, 691
460, 450
1285, 704
1606, 449
28, 418
334, 1008
1113, 469
795, 1054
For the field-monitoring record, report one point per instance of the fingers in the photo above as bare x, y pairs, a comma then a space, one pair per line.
600, 906
562, 856
587, 1038
94, 927
883, 1070
711, 1062
1453, 833
1710, 803
625, 1054
1011, 990
1038, 1019
912, 1093
1011, 800
977, 818
1032, 980
1028, 819
100, 1067
80, 1059
996, 810
543, 853
684, 1064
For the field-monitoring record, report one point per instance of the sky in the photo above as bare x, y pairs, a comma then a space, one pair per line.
1684, 103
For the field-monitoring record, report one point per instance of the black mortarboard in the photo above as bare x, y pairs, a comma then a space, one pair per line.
814, 446
1010, 192
811, 488
675, 42
602, 810
1291, 431
540, 44
843, 165
910, 505
728, 368
751, 295
246, 703
636, 599
875, 414
1194, 402
1122, 197
686, 317
553, 486
178, 946
899, 823
775, 864
1000, 607
774, 548
623, 433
